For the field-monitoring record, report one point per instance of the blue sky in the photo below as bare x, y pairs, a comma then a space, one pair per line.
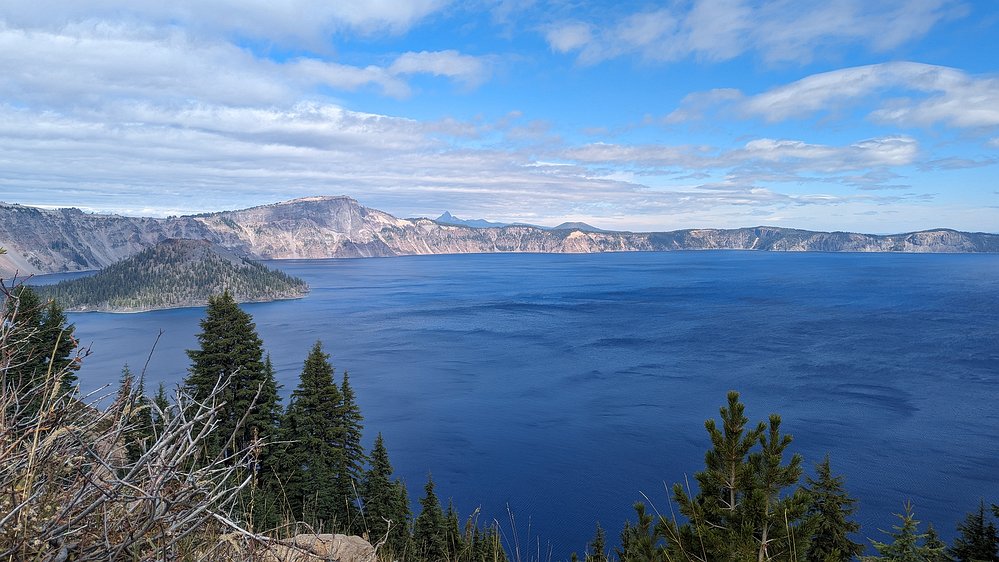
833, 115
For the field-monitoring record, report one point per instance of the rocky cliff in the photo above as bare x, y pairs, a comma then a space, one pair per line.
47, 241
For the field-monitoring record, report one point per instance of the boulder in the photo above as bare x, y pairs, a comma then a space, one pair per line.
321, 548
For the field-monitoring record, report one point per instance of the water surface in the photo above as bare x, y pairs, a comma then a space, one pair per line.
563, 386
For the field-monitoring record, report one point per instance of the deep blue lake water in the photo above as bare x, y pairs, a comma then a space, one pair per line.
563, 386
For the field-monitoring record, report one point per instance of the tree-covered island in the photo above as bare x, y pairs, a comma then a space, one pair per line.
173, 274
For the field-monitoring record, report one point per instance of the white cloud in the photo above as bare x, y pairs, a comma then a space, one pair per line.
102, 113
790, 30
467, 69
797, 155
787, 156
569, 36
91, 66
87, 65
694, 106
781, 30
288, 21
205, 156
639, 155
717, 29
906, 94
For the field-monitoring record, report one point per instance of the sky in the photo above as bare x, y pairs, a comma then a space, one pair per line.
820, 114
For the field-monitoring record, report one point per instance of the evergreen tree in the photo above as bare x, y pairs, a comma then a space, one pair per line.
350, 419
933, 542
265, 494
132, 400
58, 344
719, 527
311, 456
453, 538
430, 528
639, 543
24, 311
907, 544
270, 412
230, 350
45, 346
489, 545
977, 540
828, 518
596, 551
349, 471
772, 514
385, 500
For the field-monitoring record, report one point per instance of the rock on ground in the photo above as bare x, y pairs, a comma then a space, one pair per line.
322, 547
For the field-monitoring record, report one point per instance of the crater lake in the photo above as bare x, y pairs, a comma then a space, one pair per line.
564, 387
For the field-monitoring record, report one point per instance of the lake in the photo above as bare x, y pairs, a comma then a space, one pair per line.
564, 386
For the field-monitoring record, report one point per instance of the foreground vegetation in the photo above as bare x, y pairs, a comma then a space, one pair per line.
219, 470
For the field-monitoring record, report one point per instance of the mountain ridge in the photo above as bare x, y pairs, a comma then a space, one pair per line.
60, 240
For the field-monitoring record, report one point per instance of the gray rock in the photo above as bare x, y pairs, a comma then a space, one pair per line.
322, 547
47, 241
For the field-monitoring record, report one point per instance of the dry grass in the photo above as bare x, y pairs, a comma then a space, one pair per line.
69, 491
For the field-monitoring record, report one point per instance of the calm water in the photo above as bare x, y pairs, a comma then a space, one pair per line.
563, 386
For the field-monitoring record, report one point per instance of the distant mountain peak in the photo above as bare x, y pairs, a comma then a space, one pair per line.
447, 218
578, 226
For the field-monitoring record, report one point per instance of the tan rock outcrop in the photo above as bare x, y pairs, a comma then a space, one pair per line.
321, 547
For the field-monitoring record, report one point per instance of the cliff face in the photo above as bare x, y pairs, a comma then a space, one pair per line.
43, 241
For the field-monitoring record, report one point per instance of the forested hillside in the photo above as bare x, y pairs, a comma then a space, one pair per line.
174, 273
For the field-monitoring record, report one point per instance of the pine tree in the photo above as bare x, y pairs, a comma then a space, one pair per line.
132, 400
907, 545
453, 538
977, 540
639, 543
772, 514
268, 419
719, 527
430, 528
350, 470
265, 494
24, 311
385, 500
58, 344
490, 545
45, 345
267, 424
230, 350
596, 551
828, 520
933, 542
311, 456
